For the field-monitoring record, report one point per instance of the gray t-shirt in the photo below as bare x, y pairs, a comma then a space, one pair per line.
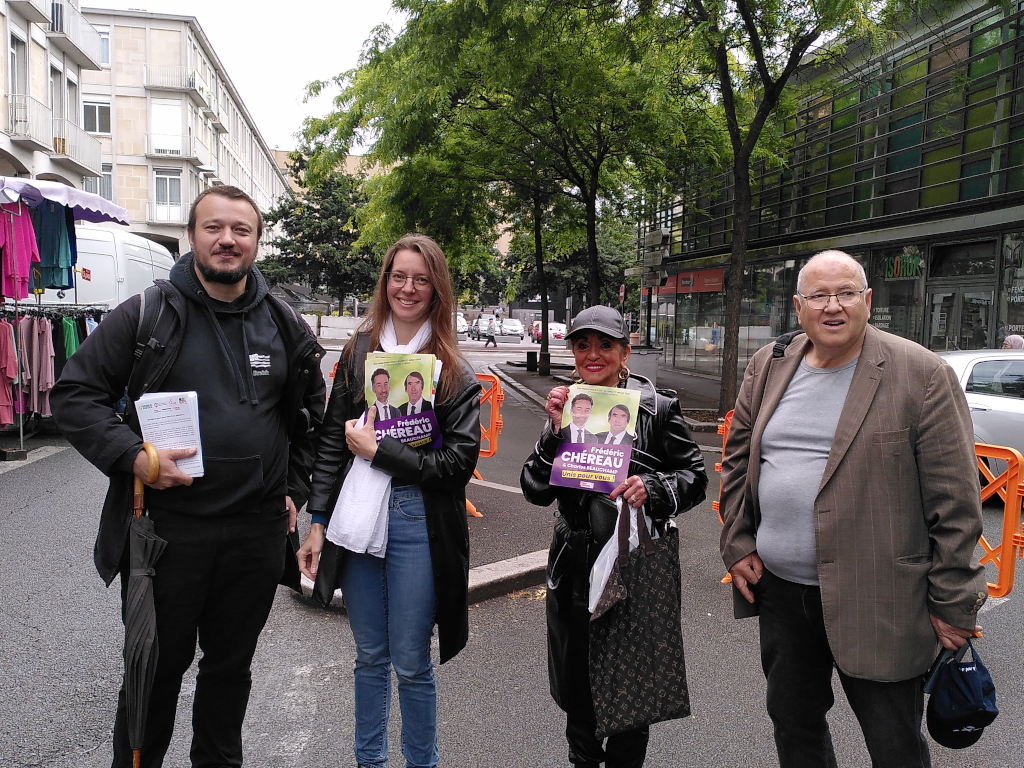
794, 451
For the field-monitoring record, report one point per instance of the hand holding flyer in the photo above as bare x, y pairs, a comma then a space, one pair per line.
402, 388
171, 420
598, 427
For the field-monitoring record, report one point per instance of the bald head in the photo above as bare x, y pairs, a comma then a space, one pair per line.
831, 255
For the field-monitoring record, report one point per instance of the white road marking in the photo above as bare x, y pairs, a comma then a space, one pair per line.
992, 602
33, 456
497, 486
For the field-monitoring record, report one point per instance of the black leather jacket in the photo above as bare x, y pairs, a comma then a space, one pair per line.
672, 469
442, 475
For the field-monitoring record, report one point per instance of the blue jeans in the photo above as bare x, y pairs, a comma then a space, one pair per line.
390, 603
798, 663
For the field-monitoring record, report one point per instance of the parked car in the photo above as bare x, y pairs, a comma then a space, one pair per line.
556, 330
113, 265
993, 382
510, 326
535, 331
461, 326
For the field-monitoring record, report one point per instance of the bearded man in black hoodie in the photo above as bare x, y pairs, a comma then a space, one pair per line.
255, 366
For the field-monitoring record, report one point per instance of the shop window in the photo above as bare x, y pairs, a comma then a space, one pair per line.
940, 176
1011, 298
896, 276
963, 259
977, 179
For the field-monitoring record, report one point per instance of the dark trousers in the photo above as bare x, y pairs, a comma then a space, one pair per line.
569, 669
798, 664
215, 582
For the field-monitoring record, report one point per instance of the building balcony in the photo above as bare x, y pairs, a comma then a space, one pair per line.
71, 33
37, 11
178, 79
30, 123
167, 145
75, 148
173, 214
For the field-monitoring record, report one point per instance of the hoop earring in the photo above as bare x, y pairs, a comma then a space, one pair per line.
623, 373
575, 377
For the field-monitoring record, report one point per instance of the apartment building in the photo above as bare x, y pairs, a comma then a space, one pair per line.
169, 123
51, 49
911, 161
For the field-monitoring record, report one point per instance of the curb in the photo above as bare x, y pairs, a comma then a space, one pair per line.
485, 581
523, 390
504, 576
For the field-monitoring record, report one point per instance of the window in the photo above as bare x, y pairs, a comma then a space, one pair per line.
19, 67
998, 377
104, 33
167, 184
96, 117
104, 185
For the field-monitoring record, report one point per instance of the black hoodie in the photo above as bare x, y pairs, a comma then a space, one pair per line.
234, 358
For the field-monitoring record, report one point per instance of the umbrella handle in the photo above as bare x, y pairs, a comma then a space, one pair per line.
152, 475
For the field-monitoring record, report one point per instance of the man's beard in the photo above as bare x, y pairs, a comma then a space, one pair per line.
229, 277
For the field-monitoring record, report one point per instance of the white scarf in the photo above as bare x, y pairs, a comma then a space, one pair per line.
360, 519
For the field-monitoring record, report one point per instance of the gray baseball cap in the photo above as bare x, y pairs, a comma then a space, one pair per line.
601, 319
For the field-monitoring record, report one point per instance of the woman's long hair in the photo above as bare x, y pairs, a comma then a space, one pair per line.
442, 344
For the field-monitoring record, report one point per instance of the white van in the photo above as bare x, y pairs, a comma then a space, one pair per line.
113, 265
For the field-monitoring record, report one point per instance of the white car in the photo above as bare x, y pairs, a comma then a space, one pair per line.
993, 382
512, 327
461, 326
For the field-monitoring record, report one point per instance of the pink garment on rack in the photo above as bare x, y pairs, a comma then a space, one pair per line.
8, 373
42, 366
25, 334
18, 241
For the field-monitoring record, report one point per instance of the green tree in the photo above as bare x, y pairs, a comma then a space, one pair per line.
316, 244
508, 101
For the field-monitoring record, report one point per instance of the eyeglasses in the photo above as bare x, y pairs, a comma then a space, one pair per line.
845, 298
399, 279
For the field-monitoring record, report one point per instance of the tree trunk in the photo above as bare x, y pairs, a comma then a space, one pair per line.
594, 286
538, 251
734, 283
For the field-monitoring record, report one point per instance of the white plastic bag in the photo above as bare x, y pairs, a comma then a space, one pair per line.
606, 559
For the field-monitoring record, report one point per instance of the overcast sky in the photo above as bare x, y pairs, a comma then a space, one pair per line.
271, 50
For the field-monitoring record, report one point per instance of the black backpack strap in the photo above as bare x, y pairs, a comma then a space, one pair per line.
151, 309
783, 341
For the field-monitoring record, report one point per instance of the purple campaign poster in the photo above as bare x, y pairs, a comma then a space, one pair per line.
591, 466
416, 431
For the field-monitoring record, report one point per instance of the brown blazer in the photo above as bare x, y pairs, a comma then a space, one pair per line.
898, 512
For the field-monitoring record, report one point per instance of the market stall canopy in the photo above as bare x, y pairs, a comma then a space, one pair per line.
85, 205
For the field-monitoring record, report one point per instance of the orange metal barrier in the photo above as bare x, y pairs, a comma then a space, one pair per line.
495, 396
1007, 485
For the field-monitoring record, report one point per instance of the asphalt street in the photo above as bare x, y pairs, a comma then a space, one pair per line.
60, 642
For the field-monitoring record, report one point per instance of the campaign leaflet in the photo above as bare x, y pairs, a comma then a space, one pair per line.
402, 388
598, 427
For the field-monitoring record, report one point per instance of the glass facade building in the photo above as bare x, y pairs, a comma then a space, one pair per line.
912, 162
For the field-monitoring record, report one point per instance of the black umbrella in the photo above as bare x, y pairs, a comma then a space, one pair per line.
141, 648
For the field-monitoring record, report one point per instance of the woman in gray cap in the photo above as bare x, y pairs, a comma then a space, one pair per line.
667, 477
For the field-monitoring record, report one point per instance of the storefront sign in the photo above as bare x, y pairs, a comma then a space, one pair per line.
700, 281
905, 266
881, 317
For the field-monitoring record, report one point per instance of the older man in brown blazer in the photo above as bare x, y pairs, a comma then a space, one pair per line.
851, 510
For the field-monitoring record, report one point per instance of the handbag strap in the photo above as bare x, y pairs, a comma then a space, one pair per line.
623, 533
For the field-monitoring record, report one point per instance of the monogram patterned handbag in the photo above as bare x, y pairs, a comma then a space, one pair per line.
637, 671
